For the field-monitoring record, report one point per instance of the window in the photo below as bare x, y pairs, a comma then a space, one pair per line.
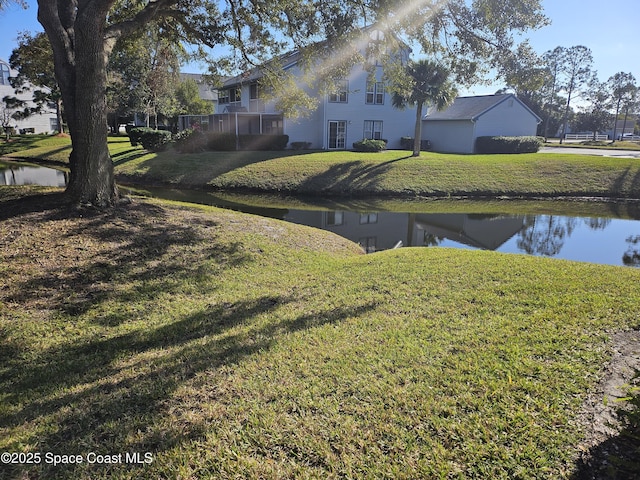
256, 104
367, 218
335, 218
373, 129
375, 93
230, 95
341, 95
254, 91
272, 126
4, 74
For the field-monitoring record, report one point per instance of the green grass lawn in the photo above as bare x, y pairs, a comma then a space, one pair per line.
390, 173
233, 346
45, 147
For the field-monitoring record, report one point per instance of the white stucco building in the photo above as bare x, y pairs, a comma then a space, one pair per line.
45, 122
360, 107
456, 129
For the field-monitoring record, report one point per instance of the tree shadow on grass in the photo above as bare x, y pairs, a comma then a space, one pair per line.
617, 458
54, 203
138, 246
100, 406
113, 391
125, 156
350, 178
630, 186
197, 169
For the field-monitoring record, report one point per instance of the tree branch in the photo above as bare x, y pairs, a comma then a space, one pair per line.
154, 9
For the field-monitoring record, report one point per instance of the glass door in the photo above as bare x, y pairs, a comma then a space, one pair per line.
337, 134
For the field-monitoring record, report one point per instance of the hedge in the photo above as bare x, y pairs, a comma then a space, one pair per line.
262, 142
508, 144
300, 145
190, 141
155, 140
221, 142
135, 135
368, 145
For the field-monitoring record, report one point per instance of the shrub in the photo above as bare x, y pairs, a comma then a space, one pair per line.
300, 145
262, 142
221, 142
508, 144
155, 140
190, 141
135, 135
368, 145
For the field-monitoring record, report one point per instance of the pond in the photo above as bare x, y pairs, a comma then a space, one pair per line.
596, 232
19, 174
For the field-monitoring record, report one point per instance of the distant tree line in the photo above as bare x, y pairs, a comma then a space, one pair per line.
554, 83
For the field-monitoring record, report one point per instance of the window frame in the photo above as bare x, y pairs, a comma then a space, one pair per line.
375, 94
342, 95
373, 130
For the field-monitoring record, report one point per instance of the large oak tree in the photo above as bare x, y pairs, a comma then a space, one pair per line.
469, 36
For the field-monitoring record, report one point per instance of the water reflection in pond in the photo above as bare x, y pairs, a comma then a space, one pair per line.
604, 233
588, 237
18, 174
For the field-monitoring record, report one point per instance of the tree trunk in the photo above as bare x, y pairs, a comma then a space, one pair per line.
92, 180
418, 131
565, 119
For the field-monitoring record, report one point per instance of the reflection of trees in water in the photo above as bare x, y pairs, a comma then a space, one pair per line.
597, 223
9, 180
632, 256
545, 234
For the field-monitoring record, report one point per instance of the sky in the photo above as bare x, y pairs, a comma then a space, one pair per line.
608, 28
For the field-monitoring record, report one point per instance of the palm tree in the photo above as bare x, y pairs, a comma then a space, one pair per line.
425, 82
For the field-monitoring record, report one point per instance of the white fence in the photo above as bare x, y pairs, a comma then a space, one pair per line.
585, 136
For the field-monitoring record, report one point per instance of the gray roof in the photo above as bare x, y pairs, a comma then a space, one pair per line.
470, 108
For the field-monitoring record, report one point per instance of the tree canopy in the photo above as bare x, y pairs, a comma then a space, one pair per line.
469, 37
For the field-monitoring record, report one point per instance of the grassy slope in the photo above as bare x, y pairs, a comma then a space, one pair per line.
236, 347
393, 173
387, 173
